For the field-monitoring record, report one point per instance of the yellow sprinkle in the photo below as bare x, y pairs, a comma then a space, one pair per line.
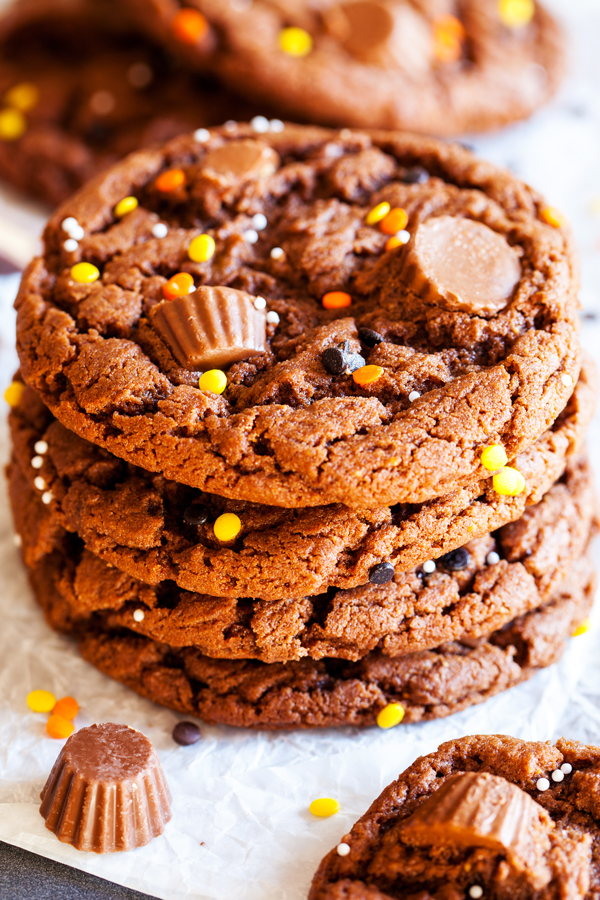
12, 124
552, 216
378, 213
390, 715
581, 629
214, 381
23, 96
202, 248
227, 527
516, 13
13, 393
41, 701
494, 457
126, 205
295, 41
509, 482
324, 806
85, 273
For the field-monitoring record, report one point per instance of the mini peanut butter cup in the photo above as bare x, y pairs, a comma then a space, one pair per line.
107, 791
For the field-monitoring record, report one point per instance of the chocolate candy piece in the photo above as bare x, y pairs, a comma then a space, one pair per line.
196, 513
106, 791
340, 360
369, 337
211, 328
382, 573
455, 560
239, 161
186, 733
415, 175
461, 264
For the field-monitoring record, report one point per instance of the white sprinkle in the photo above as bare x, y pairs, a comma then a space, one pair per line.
259, 221
260, 124
191, 288
77, 233
71, 245
542, 784
476, 892
277, 253
47, 497
557, 775
276, 125
40, 447
230, 125
345, 134
566, 768
492, 558
39, 483
69, 224
566, 380
273, 317
250, 235
428, 566
343, 849
403, 236
160, 230
259, 303
139, 615
202, 135
18, 540
139, 75
37, 462
102, 103
414, 395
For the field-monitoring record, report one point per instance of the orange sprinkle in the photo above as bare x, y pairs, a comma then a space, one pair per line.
67, 707
189, 25
553, 217
336, 300
177, 286
367, 374
170, 180
59, 727
395, 221
448, 36
394, 242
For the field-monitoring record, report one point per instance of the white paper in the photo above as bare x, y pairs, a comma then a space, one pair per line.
241, 826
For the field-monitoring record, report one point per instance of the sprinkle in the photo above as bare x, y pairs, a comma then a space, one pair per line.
493, 558
40, 447
47, 497
71, 245
582, 629
139, 615
566, 379
214, 381
202, 248
378, 213
369, 337
414, 395
58, 727
189, 25
227, 527
14, 393
273, 317
276, 126
508, 482
12, 124
391, 715
429, 566
476, 892
259, 221
250, 235
186, 733
259, 303
17, 540
140, 75
324, 807
23, 96
41, 701
397, 240
201, 135
542, 784
260, 124
295, 41
494, 457
395, 221
85, 273
230, 125
558, 775
178, 286
68, 707
39, 483
160, 230
336, 300
102, 103
516, 13
382, 573
448, 37
552, 216
566, 768
343, 849
73, 228
37, 462
367, 375
126, 205
170, 180
277, 253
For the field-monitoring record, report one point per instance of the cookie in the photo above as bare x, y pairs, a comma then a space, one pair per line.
474, 590
80, 88
433, 66
386, 372
158, 530
482, 815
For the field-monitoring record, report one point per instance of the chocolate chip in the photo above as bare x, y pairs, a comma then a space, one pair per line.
369, 337
381, 573
456, 559
334, 360
186, 733
415, 175
353, 362
196, 513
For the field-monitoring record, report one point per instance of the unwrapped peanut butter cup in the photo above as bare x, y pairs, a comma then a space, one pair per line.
107, 791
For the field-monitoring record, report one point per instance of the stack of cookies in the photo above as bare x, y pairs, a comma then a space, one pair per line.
298, 432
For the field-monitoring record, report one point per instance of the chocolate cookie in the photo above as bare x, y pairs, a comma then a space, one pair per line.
381, 368
433, 66
80, 88
486, 815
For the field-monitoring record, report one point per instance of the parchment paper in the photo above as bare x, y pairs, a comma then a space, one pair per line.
241, 826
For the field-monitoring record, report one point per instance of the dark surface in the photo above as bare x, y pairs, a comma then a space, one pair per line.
26, 876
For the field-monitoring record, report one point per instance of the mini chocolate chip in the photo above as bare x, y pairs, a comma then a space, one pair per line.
415, 175
186, 733
456, 559
196, 513
334, 360
353, 362
381, 573
370, 338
